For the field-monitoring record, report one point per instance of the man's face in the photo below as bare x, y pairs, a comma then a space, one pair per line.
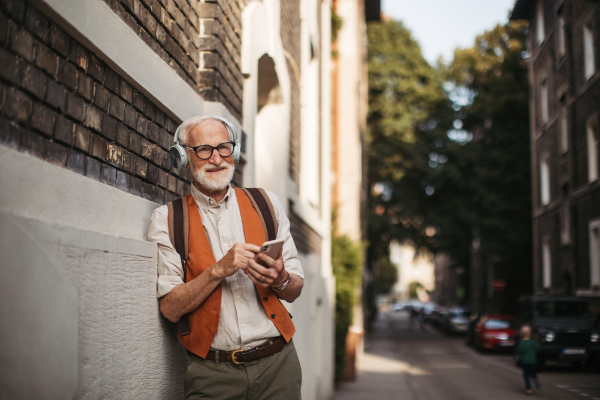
216, 172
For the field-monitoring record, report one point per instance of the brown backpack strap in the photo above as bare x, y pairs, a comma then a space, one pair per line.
263, 206
179, 235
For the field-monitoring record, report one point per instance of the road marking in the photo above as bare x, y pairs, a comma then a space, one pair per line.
577, 391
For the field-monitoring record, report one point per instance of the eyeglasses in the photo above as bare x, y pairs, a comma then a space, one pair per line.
205, 151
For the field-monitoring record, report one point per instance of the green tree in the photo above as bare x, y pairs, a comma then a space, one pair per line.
408, 109
346, 260
448, 147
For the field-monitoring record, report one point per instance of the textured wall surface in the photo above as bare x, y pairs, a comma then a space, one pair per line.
114, 343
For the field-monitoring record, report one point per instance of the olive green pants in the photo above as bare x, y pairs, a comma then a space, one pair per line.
274, 377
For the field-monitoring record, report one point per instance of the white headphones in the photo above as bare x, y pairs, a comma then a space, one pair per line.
178, 153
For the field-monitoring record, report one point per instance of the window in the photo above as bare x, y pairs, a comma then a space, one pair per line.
595, 253
589, 62
547, 266
592, 145
561, 36
544, 182
557, 308
565, 217
544, 101
498, 324
564, 126
539, 22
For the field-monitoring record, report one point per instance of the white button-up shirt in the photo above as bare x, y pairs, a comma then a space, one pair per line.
243, 322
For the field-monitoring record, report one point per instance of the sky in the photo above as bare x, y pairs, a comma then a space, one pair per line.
442, 25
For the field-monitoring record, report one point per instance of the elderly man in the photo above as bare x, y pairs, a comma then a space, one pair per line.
221, 294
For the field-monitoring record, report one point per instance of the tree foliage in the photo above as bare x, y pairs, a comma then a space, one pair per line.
448, 147
346, 260
407, 106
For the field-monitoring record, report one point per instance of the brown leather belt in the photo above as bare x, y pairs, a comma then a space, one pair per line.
243, 356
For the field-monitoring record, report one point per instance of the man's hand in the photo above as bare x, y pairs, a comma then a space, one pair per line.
236, 258
274, 276
185, 298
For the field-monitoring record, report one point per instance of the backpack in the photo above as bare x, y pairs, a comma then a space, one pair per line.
179, 230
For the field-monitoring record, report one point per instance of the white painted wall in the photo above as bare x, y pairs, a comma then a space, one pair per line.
269, 133
79, 295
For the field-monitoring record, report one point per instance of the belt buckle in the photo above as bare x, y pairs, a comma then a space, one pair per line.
233, 353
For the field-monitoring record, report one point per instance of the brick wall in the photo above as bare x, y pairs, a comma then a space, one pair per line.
290, 34
200, 40
61, 103
220, 46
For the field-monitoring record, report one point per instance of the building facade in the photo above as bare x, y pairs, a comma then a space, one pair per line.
91, 93
564, 76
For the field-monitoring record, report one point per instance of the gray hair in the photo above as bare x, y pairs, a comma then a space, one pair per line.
192, 122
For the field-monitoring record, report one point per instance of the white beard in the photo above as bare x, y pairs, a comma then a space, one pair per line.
201, 176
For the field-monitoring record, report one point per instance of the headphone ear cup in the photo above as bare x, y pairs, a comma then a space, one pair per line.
178, 156
237, 151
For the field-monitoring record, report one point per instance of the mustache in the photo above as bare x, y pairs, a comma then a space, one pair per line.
224, 164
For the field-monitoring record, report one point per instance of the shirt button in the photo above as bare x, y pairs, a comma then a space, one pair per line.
265, 299
272, 316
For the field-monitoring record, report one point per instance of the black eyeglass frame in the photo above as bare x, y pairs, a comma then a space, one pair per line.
213, 148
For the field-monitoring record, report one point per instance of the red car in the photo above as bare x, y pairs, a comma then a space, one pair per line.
495, 332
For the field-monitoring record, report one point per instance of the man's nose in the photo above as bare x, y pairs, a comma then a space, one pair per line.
215, 158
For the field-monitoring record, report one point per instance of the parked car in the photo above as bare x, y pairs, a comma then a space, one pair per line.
495, 332
428, 309
438, 316
564, 328
456, 320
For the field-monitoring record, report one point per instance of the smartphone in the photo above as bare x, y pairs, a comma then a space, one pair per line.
271, 249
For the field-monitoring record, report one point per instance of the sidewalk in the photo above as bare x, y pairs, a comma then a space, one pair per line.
380, 375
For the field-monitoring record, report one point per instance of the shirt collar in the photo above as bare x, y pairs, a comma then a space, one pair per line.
206, 202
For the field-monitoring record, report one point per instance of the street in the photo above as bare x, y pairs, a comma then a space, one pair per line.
406, 362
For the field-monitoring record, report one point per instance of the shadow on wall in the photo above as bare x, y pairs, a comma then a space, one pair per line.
38, 321
269, 91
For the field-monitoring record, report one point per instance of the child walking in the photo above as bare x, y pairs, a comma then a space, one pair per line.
527, 350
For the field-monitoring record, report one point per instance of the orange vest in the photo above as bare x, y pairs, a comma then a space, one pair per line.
204, 321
